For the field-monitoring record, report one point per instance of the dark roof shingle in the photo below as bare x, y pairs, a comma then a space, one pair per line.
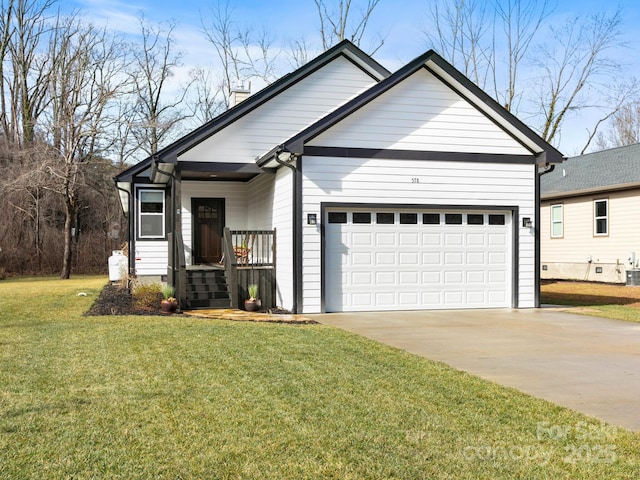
598, 171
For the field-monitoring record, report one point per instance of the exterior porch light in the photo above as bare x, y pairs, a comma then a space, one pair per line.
312, 219
526, 222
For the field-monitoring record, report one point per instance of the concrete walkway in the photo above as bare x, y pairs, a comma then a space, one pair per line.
589, 364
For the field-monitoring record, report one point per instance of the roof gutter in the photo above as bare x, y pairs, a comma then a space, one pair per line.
297, 224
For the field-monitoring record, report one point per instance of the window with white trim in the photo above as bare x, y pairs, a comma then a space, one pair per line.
557, 221
601, 217
151, 213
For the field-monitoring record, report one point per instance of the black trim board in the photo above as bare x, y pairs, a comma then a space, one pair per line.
343, 152
515, 229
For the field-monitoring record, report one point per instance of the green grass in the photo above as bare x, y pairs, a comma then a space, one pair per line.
184, 398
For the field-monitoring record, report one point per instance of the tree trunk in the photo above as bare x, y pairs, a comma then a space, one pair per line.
66, 257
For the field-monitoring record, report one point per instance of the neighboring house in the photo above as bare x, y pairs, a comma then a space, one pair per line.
354, 188
590, 213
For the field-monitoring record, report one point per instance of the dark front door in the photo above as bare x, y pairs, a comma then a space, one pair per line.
208, 225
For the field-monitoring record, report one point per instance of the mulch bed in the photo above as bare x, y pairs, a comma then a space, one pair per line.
117, 300
114, 299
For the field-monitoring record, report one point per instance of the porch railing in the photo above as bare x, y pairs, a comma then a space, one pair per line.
249, 257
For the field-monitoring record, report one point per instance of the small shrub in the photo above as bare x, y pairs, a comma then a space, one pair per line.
253, 291
167, 291
147, 296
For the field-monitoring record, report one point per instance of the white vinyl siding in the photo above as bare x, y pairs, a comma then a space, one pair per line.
423, 114
260, 202
152, 258
556, 221
284, 115
361, 181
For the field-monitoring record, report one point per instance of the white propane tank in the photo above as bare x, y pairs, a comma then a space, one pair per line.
117, 264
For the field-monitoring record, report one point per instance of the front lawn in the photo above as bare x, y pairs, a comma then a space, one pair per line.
187, 398
617, 302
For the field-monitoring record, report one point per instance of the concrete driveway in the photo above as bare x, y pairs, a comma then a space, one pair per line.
589, 364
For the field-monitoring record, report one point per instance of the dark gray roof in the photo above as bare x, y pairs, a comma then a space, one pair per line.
613, 169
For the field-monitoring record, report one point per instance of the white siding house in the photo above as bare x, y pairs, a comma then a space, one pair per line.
411, 190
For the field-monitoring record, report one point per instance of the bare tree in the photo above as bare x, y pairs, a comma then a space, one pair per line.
30, 68
157, 117
624, 128
568, 73
340, 22
83, 85
208, 98
577, 66
243, 53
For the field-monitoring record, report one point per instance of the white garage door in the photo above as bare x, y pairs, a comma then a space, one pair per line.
417, 259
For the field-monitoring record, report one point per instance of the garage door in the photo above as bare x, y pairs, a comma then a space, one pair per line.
417, 259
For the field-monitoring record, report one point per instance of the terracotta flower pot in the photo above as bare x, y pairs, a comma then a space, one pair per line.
168, 306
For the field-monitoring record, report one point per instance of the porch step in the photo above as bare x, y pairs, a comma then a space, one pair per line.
207, 289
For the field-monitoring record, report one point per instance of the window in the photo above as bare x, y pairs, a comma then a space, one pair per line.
361, 217
151, 210
495, 219
475, 219
337, 217
431, 218
453, 218
409, 218
601, 217
557, 227
385, 218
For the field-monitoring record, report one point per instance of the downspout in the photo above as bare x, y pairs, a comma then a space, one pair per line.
297, 259
132, 245
548, 169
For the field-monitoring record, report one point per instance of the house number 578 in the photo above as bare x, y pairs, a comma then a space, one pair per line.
415, 180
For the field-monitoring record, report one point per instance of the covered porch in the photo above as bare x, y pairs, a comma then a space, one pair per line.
216, 248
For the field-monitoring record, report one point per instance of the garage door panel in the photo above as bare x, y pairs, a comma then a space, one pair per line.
454, 258
476, 277
431, 277
431, 258
409, 278
386, 239
408, 258
454, 239
361, 239
432, 239
385, 278
359, 259
406, 265
475, 258
497, 239
409, 239
476, 239
362, 279
497, 258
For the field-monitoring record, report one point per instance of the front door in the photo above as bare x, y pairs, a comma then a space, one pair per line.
208, 226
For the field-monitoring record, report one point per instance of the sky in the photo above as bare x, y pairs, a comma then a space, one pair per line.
401, 23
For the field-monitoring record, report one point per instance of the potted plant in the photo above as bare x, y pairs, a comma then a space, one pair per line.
169, 303
252, 303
